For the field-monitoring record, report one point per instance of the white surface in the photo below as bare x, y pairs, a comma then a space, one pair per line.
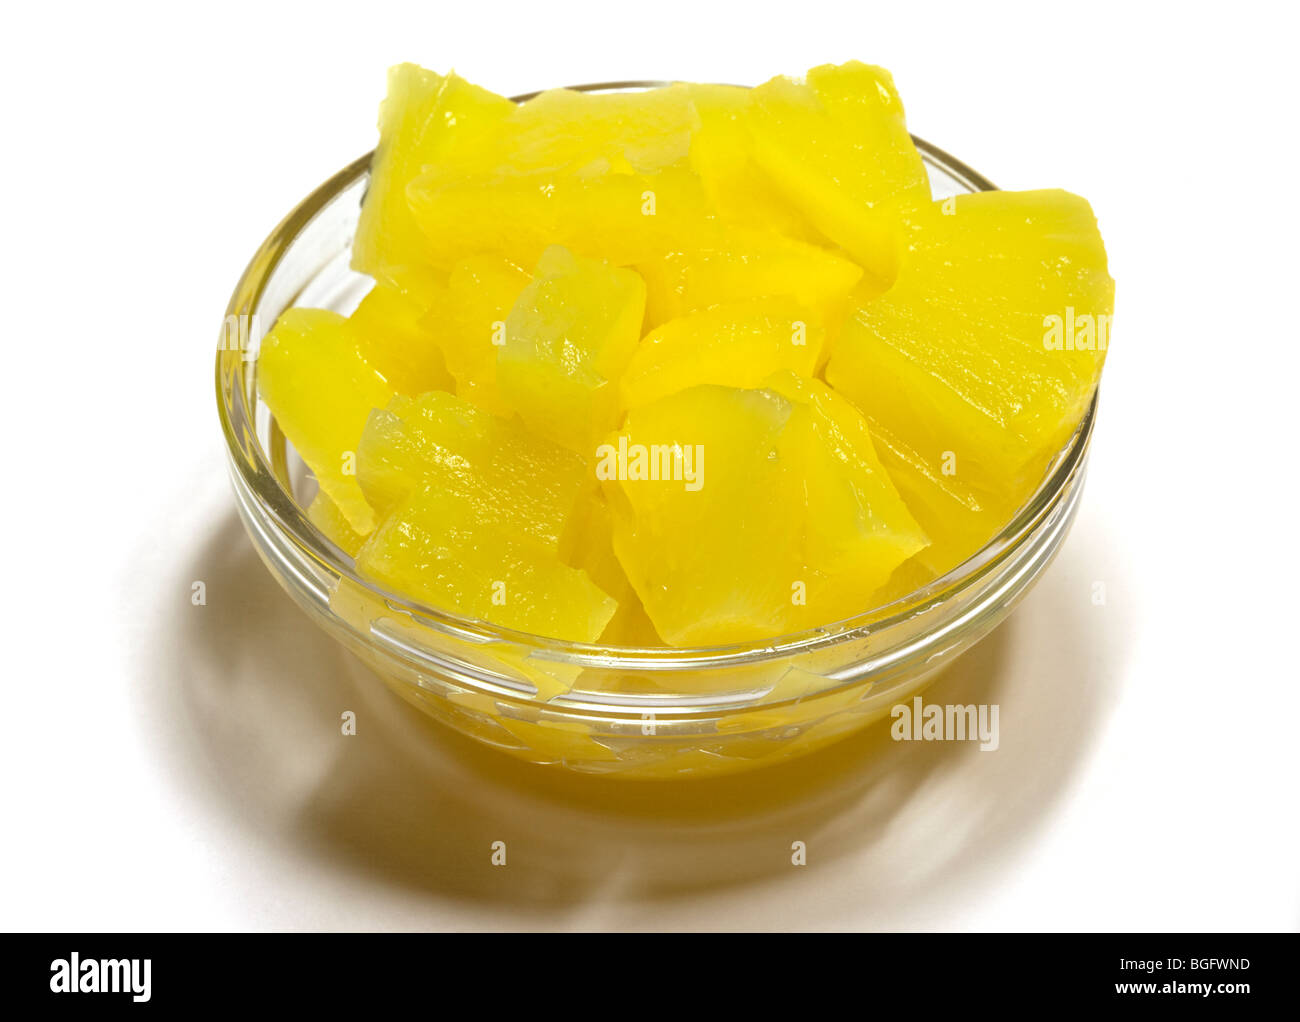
180, 767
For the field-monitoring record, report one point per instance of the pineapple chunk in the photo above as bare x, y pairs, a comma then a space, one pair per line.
739, 190
958, 368
736, 345
568, 340
326, 516
321, 391
446, 551
704, 572
714, 265
391, 338
621, 217
522, 482
856, 528
426, 118
711, 569
467, 319
958, 518
638, 132
588, 543
837, 147
606, 176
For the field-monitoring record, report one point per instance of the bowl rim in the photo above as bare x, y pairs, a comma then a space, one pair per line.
264, 483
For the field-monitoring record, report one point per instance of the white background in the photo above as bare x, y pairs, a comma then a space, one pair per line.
172, 766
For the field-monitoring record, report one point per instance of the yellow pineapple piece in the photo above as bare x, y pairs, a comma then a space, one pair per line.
705, 574
715, 265
621, 217
321, 391
390, 336
857, 529
568, 340
456, 554
837, 147
739, 190
326, 516
979, 363
588, 543
958, 518
520, 481
426, 118
736, 512
605, 175
467, 320
736, 345
626, 132
559, 741
366, 611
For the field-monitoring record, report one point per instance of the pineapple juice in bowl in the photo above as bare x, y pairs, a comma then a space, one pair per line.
618, 708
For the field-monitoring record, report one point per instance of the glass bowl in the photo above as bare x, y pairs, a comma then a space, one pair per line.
619, 711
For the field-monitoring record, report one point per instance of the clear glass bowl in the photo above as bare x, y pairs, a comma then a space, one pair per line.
636, 713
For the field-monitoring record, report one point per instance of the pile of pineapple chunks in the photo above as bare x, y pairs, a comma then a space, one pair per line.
690, 366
